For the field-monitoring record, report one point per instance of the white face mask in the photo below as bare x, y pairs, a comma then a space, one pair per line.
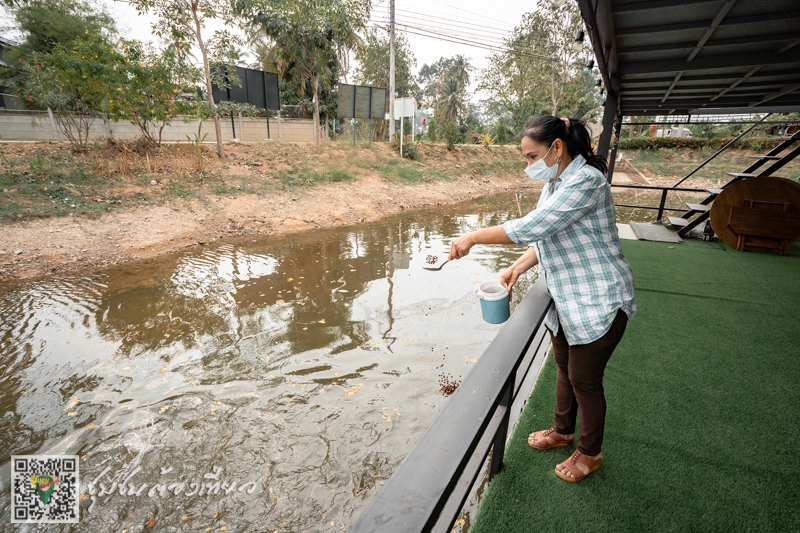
540, 171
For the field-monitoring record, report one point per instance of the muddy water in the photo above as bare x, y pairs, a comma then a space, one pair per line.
255, 384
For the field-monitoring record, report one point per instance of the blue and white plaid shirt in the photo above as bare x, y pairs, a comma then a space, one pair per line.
573, 229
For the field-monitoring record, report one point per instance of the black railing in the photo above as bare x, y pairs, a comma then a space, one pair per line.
428, 490
664, 190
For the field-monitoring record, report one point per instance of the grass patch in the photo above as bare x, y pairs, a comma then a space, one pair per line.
400, 171
296, 178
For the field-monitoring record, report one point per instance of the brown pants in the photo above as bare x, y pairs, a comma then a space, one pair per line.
580, 384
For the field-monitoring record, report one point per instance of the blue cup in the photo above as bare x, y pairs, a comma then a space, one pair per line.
495, 305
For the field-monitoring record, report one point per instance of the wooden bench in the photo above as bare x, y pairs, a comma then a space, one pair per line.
762, 226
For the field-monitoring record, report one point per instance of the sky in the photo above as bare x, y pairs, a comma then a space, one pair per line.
475, 21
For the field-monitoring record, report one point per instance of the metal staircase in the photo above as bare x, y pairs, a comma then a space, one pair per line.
773, 161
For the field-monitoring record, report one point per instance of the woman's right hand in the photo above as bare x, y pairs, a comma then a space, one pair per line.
525, 262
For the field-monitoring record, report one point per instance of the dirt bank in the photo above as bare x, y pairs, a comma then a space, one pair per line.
259, 189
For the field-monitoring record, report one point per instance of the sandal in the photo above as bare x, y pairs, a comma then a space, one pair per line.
544, 440
579, 465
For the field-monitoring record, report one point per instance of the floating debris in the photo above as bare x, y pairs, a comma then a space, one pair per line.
448, 385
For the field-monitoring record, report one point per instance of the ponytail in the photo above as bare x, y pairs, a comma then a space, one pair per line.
572, 132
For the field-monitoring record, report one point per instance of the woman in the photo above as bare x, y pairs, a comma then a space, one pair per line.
572, 236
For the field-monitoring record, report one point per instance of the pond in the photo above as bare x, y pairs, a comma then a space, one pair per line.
258, 383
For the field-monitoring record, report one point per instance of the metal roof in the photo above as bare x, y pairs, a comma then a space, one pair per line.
681, 56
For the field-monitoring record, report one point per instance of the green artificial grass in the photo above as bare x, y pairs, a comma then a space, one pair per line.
703, 395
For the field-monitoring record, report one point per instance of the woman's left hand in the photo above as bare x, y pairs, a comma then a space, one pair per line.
460, 247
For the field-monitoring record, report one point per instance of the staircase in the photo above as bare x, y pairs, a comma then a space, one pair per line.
697, 214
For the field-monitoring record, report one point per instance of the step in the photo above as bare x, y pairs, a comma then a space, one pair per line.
770, 157
678, 222
714, 191
700, 208
740, 174
786, 139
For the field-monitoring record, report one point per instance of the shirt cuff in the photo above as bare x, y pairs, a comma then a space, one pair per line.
511, 232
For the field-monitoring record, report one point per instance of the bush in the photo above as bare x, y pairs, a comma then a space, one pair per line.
433, 130
756, 144
452, 135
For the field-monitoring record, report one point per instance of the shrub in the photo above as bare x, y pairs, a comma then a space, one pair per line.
433, 130
452, 135
756, 144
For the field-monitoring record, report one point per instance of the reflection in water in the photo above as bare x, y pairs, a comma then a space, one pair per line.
262, 383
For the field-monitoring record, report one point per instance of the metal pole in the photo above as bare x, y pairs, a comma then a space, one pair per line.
612, 162
370, 115
402, 120
414, 122
268, 124
391, 71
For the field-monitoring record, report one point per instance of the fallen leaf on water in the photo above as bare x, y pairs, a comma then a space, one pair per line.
289, 279
216, 515
24, 392
342, 290
73, 401
424, 357
303, 387
184, 517
164, 370
266, 359
279, 302
92, 426
212, 412
474, 359
305, 329
83, 496
161, 314
151, 522
223, 528
322, 321
73, 413
127, 367
163, 409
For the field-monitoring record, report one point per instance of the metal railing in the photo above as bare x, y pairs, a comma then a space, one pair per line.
662, 205
429, 488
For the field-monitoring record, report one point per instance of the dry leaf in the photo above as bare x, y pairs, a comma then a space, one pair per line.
289, 279
73, 401
92, 426
151, 522
127, 367
163, 409
279, 302
73, 413
322, 321
24, 392
184, 517
223, 528
161, 314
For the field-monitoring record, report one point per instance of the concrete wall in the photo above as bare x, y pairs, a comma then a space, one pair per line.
36, 126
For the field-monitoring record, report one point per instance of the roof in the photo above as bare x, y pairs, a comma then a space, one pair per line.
680, 56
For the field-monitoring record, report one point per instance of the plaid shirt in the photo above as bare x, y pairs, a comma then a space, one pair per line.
574, 231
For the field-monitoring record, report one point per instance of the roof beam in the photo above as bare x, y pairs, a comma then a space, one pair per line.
783, 90
672, 86
706, 63
658, 4
714, 25
759, 39
683, 26
737, 82
746, 110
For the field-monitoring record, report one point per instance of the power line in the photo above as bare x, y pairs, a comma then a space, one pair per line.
432, 35
495, 41
451, 20
481, 15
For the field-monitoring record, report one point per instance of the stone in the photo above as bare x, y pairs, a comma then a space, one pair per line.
153, 182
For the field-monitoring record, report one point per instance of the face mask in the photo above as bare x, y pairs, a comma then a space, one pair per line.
540, 171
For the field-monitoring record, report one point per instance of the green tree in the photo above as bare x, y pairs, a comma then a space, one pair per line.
153, 84
373, 67
47, 23
315, 36
183, 23
444, 87
540, 71
77, 82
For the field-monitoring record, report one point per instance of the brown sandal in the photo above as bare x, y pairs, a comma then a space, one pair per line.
579, 465
548, 439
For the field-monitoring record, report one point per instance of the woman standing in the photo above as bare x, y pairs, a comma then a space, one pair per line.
572, 236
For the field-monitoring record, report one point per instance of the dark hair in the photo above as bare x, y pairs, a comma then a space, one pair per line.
547, 128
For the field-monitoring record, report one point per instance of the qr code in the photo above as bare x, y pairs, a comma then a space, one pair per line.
44, 488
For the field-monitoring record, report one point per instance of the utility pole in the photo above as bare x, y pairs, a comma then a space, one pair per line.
391, 68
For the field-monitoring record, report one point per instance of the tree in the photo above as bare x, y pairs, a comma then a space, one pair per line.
540, 72
76, 82
314, 36
153, 83
47, 23
183, 22
445, 86
373, 67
